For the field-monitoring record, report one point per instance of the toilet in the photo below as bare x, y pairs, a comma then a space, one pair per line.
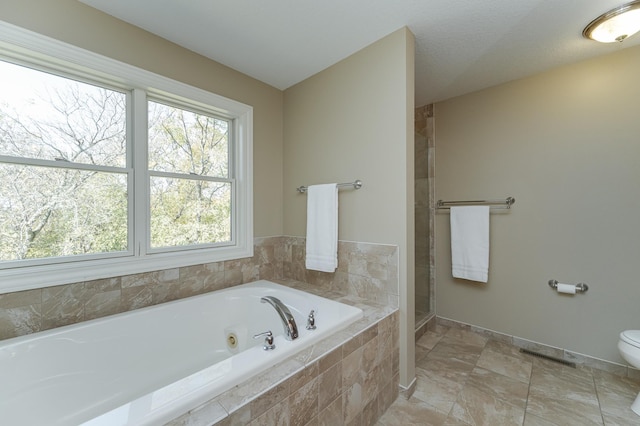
629, 347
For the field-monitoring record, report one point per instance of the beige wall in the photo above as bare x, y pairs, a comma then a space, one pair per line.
73, 22
351, 121
566, 145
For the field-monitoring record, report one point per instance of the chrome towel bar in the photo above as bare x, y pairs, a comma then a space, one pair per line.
506, 203
357, 184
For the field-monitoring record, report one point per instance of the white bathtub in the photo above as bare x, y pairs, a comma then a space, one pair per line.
148, 366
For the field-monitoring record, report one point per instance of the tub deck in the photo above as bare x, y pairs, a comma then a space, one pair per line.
298, 389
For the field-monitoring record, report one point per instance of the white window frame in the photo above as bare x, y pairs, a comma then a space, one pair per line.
30, 47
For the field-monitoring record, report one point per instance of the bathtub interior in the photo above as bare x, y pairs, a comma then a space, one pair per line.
144, 366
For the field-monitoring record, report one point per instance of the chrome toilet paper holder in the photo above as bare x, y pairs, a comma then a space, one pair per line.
580, 287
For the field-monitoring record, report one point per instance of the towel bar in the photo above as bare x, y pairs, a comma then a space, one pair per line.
507, 203
357, 184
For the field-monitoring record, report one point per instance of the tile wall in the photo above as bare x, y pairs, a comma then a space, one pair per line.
366, 270
424, 202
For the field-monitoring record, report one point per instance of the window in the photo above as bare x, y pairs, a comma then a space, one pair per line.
107, 170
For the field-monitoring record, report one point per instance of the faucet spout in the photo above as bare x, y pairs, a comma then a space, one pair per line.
288, 322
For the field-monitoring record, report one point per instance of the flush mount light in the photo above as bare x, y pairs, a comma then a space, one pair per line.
615, 25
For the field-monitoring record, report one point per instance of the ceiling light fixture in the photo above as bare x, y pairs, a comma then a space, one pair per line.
616, 25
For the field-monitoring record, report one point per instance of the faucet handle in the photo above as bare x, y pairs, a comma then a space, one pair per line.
311, 321
268, 340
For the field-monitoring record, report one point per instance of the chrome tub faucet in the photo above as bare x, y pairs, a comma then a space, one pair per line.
288, 322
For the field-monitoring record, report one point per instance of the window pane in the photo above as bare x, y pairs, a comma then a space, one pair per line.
47, 117
182, 141
48, 212
186, 212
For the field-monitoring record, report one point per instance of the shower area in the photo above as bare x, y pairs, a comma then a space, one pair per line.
424, 202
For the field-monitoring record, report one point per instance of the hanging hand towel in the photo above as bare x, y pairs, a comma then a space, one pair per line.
322, 227
470, 242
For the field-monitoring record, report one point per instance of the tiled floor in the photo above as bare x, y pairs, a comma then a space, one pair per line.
465, 379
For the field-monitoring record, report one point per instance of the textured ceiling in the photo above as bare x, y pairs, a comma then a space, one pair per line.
461, 45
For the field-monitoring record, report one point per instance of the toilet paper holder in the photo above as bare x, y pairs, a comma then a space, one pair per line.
580, 287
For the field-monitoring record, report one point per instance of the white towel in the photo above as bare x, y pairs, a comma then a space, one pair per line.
470, 242
322, 227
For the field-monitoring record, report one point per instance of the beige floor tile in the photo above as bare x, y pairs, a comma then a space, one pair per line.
451, 347
531, 420
464, 379
467, 337
412, 412
507, 349
501, 387
544, 371
564, 405
507, 365
429, 340
447, 367
617, 404
480, 408
437, 390
452, 421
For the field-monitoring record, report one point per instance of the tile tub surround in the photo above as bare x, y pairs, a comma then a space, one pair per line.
368, 270
350, 377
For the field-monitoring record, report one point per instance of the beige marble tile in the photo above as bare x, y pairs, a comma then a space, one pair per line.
506, 365
533, 420
271, 397
450, 368
331, 415
19, 321
136, 297
617, 405
429, 340
437, 390
352, 402
493, 335
456, 349
452, 421
20, 299
412, 412
351, 368
467, 337
369, 413
303, 403
102, 304
616, 394
626, 418
569, 404
62, 305
277, 415
481, 408
329, 385
510, 390
595, 363
507, 349
615, 382
553, 375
